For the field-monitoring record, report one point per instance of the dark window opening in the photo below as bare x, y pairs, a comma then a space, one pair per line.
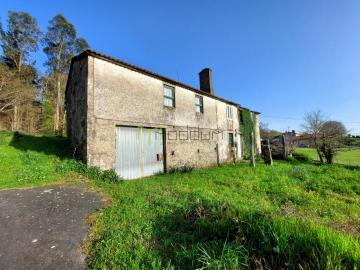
231, 139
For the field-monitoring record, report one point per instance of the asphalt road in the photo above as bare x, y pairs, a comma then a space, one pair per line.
43, 228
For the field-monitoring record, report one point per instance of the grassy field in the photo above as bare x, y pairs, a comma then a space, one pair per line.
29, 160
347, 156
292, 215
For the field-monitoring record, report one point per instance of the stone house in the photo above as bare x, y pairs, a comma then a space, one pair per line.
139, 123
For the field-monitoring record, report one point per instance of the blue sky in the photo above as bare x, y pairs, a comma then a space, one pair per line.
281, 57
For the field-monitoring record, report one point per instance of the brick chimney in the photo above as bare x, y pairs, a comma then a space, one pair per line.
206, 84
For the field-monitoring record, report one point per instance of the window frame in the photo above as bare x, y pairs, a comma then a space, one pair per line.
166, 97
229, 112
231, 135
200, 105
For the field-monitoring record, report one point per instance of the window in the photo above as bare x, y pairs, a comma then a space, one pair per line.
199, 105
228, 112
231, 139
169, 96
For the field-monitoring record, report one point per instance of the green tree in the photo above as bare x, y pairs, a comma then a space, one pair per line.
20, 39
60, 45
18, 73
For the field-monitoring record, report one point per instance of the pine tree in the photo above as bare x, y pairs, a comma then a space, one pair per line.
20, 39
61, 44
18, 72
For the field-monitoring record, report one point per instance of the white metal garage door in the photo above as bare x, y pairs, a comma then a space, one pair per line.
139, 152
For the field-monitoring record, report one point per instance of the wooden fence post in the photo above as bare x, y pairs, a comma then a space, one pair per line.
283, 139
266, 152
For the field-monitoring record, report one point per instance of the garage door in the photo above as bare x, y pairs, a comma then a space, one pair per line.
139, 152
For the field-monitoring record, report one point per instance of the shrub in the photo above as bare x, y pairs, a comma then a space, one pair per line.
110, 176
301, 157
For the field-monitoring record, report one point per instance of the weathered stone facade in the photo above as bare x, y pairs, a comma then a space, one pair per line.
104, 93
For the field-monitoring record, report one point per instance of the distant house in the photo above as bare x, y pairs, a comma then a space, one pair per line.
305, 140
123, 117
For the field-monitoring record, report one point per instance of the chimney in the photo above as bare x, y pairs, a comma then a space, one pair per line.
206, 84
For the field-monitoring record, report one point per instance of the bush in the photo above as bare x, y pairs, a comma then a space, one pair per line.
110, 176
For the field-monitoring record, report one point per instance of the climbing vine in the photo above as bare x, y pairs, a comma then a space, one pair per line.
247, 126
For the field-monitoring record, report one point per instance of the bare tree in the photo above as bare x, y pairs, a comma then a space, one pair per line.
313, 123
332, 138
14, 91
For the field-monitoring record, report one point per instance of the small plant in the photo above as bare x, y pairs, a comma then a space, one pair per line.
299, 172
110, 176
181, 169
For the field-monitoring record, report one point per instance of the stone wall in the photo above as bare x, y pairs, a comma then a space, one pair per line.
119, 96
102, 95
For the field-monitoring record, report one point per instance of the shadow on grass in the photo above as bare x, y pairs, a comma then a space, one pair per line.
50, 145
214, 236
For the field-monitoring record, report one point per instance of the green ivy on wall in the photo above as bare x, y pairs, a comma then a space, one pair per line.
247, 126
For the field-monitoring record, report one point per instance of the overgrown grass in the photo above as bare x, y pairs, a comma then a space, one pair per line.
293, 215
289, 216
27, 160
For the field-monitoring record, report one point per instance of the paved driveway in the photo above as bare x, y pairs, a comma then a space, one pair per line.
42, 228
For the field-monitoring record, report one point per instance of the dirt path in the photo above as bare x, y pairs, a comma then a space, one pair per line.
42, 228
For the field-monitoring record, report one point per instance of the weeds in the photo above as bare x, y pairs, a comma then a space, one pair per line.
181, 169
94, 173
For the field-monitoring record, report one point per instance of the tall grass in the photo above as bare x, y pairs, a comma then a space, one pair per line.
27, 160
289, 216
